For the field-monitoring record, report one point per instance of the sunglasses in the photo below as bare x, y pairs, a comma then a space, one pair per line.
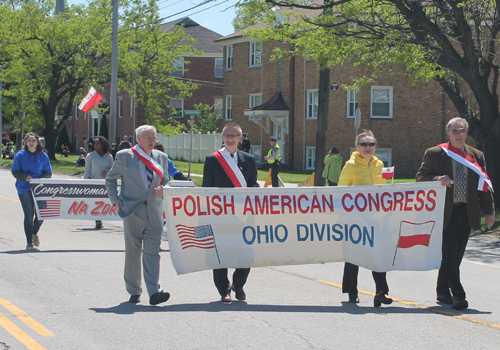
459, 131
367, 144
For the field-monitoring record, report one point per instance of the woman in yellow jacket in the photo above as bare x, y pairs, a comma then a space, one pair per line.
363, 168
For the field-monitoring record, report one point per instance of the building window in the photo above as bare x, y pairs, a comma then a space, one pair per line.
218, 107
76, 111
256, 53
310, 156
178, 105
229, 57
178, 70
229, 107
312, 104
219, 67
352, 103
254, 100
256, 152
381, 102
84, 116
120, 108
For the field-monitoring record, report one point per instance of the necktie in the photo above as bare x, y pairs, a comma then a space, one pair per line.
461, 183
149, 175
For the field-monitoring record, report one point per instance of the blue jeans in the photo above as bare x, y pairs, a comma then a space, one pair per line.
31, 222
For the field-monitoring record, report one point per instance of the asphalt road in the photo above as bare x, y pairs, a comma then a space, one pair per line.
71, 295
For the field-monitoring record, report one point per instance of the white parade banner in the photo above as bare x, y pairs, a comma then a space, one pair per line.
381, 227
78, 199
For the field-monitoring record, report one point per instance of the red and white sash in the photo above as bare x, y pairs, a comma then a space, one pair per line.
466, 160
148, 161
231, 168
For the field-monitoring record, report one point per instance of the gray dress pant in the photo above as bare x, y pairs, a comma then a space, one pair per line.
141, 239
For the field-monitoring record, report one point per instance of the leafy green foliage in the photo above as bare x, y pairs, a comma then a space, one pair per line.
49, 61
207, 121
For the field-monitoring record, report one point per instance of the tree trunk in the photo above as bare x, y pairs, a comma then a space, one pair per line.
322, 125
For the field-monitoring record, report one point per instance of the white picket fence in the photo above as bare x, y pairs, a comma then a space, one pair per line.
177, 146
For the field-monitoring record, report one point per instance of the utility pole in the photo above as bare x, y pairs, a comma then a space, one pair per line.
1, 120
59, 6
114, 75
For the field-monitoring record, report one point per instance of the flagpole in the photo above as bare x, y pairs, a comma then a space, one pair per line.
114, 74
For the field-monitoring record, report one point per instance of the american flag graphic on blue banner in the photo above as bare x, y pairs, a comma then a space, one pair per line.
196, 237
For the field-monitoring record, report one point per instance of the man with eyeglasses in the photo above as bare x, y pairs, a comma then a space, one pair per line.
462, 169
142, 171
229, 167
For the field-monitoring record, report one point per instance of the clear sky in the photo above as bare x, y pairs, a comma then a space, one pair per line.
215, 15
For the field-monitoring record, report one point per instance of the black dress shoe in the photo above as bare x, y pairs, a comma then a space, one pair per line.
158, 298
353, 298
135, 299
444, 299
459, 303
239, 293
380, 299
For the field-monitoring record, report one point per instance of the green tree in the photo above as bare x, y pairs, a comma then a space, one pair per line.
207, 121
49, 61
452, 42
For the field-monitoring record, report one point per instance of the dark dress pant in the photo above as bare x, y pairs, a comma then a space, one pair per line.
455, 238
222, 282
275, 170
350, 280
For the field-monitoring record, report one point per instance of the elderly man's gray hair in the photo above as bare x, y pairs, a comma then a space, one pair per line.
455, 120
140, 130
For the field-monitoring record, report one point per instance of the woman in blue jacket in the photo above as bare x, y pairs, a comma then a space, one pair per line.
30, 163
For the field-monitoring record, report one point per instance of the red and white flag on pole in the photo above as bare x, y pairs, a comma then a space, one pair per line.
388, 173
90, 100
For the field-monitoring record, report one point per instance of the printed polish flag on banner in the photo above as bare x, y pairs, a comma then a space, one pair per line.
90, 100
388, 173
412, 234
196, 237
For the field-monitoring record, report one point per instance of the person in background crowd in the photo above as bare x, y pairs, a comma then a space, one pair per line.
114, 149
274, 158
8, 153
30, 163
98, 163
142, 171
243, 174
64, 150
125, 144
333, 164
463, 204
363, 168
245, 144
173, 172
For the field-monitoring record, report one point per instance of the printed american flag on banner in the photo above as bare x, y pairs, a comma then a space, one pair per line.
49, 208
196, 237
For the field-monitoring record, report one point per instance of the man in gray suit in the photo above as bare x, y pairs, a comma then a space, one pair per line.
142, 171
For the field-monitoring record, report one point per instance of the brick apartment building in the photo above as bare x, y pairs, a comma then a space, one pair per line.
205, 70
405, 119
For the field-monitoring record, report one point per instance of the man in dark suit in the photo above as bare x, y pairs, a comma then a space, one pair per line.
230, 168
142, 171
457, 164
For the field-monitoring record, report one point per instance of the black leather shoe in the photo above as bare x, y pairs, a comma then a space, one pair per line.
135, 299
239, 293
459, 303
444, 299
158, 298
353, 298
380, 299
